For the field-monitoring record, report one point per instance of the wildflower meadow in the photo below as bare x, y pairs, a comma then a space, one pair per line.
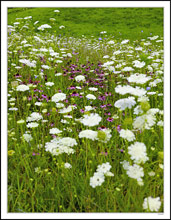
85, 117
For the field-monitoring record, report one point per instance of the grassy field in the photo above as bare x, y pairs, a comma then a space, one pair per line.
85, 115
131, 23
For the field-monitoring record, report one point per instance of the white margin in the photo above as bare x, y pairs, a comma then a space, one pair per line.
58, 4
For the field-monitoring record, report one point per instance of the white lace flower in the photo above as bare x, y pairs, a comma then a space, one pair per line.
90, 96
80, 78
125, 103
58, 97
137, 151
135, 172
91, 120
88, 134
54, 131
127, 134
152, 204
22, 88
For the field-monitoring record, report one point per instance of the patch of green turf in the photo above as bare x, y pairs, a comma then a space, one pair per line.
132, 23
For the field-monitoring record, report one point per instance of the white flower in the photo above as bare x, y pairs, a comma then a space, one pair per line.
123, 89
60, 145
106, 56
135, 172
27, 137
61, 27
28, 62
91, 120
57, 11
22, 88
88, 134
152, 204
90, 96
64, 121
88, 108
43, 26
111, 42
38, 103
125, 164
154, 37
20, 121
78, 87
124, 41
93, 89
58, 74
60, 105
138, 78
151, 173
109, 173
138, 110
35, 116
37, 170
127, 69
153, 111
80, 78
161, 166
151, 93
67, 141
58, 97
145, 121
103, 168
125, 103
97, 180
32, 125
54, 131
13, 109
160, 123
29, 17
139, 64
137, 91
127, 134
67, 165
45, 67
49, 84
143, 99
68, 109
107, 64
137, 151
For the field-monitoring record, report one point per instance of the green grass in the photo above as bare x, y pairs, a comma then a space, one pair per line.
118, 22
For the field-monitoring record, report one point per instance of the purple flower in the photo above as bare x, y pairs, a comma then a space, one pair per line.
101, 128
53, 135
148, 88
29, 98
102, 98
102, 106
100, 38
110, 119
75, 94
104, 153
118, 128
